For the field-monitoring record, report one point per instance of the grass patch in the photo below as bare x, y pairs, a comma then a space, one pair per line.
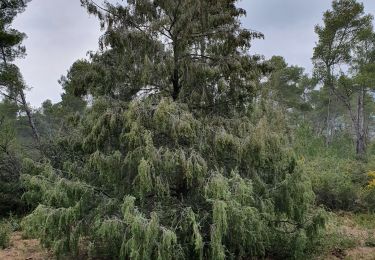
366, 221
7, 226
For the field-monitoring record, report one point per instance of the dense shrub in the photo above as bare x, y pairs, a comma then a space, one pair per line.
339, 180
10, 164
156, 181
336, 182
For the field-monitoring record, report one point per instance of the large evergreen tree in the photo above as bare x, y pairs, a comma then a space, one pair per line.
192, 51
169, 161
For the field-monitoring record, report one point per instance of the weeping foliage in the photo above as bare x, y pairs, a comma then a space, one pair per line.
171, 161
154, 181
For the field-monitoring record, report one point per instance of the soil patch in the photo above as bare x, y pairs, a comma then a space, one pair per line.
24, 249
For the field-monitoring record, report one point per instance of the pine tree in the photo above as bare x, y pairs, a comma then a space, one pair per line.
343, 26
289, 86
12, 85
195, 52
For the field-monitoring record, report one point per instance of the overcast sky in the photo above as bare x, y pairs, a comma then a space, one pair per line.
60, 32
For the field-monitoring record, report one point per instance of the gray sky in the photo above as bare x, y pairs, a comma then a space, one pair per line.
60, 32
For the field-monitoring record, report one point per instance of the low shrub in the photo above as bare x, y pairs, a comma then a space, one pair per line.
5, 231
336, 182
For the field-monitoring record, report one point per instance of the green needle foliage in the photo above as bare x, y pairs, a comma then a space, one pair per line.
156, 181
194, 169
193, 51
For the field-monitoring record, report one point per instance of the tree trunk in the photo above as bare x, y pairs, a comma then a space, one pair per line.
29, 116
176, 74
360, 125
330, 85
328, 126
176, 84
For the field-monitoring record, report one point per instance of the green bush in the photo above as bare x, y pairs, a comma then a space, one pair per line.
336, 182
368, 191
10, 198
5, 231
368, 198
10, 164
340, 181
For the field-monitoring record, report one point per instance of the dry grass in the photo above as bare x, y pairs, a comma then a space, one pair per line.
24, 249
349, 229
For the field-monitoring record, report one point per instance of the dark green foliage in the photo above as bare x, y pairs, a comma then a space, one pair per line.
342, 27
12, 85
10, 161
336, 182
10, 39
289, 86
192, 51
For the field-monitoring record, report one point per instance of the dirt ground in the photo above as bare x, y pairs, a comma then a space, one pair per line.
24, 249
367, 253
358, 253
